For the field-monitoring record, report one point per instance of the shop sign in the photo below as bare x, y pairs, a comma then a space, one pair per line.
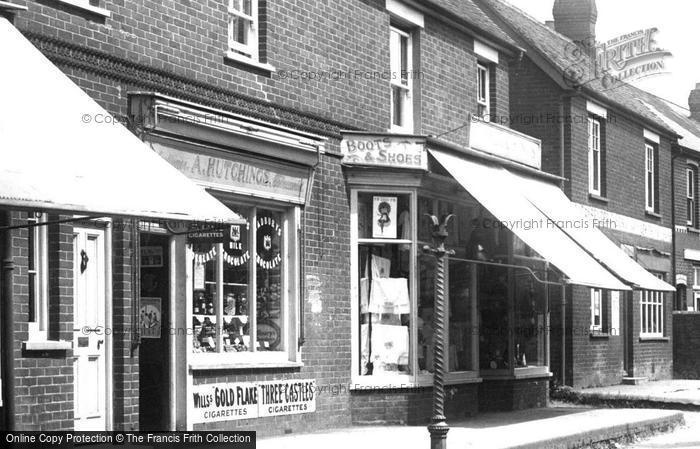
235, 251
384, 151
240, 174
232, 401
268, 249
504, 142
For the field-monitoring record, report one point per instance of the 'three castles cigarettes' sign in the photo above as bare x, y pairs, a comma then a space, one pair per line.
231, 401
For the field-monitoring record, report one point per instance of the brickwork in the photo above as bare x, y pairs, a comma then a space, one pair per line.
504, 395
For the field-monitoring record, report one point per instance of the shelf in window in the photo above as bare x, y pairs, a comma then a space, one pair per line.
230, 284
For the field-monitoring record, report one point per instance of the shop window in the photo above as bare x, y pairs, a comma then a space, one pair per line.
596, 156
691, 196
243, 28
37, 271
246, 284
651, 178
401, 55
384, 254
483, 91
530, 316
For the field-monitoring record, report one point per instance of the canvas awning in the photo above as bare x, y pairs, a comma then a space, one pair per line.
61, 151
499, 191
552, 202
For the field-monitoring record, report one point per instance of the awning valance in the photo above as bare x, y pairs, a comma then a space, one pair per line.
61, 151
499, 191
551, 201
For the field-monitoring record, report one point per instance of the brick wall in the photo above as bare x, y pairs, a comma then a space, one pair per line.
504, 395
43, 379
686, 357
412, 407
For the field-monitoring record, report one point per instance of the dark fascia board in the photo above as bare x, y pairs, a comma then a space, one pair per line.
437, 12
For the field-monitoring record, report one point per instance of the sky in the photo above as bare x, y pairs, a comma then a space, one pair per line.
679, 29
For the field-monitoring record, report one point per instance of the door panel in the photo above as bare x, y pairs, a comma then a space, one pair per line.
89, 329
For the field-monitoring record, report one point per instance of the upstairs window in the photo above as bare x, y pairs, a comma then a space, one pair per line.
690, 194
650, 177
483, 93
595, 151
401, 82
243, 28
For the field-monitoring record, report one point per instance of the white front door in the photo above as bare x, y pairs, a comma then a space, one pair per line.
89, 336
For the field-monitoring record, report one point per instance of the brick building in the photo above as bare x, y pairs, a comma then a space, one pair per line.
616, 156
331, 129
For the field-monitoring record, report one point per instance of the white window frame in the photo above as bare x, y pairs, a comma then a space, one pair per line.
696, 300
399, 82
596, 296
650, 177
690, 194
594, 156
483, 99
696, 277
38, 276
290, 355
652, 303
251, 49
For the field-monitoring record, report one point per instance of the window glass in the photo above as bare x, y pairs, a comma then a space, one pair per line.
461, 328
426, 311
401, 67
384, 283
530, 316
250, 306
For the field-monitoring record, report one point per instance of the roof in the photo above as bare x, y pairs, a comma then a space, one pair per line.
575, 67
469, 12
676, 117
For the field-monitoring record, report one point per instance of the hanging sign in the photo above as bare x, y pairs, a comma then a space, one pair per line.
384, 217
269, 232
245, 400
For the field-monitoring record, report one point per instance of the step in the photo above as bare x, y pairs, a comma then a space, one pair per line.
634, 380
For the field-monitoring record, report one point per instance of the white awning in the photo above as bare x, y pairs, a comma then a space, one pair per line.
61, 151
551, 201
499, 191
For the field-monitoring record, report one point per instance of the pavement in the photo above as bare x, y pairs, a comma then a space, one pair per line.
679, 394
545, 428
684, 437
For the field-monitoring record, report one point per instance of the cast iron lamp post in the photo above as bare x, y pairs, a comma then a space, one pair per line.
438, 427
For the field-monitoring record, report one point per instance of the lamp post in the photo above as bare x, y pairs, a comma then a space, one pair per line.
438, 427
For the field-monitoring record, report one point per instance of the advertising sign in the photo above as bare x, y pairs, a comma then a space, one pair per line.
232, 401
384, 151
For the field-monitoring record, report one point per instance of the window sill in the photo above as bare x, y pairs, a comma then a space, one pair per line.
652, 338
598, 198
400, 382
240, 59
599, 335
652, 214
231, 365
47, 345
535, 372
82, 5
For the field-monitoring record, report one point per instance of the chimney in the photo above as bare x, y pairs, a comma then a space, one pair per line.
576, 19
694, 103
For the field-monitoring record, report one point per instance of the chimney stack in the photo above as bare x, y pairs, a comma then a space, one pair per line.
576, 19
694, 103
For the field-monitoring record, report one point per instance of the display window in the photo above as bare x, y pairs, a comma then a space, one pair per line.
243, 287
497, 292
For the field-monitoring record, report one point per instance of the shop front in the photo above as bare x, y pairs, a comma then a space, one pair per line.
510, 271
229, 345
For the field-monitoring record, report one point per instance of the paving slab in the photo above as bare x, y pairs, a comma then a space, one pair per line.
548, 428
669, 392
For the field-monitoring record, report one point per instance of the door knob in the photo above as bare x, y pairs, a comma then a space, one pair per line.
99, 343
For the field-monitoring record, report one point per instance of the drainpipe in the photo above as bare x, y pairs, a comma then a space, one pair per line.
677, 302
8, 325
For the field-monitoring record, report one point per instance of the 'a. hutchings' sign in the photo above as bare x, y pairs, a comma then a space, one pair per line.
231, 401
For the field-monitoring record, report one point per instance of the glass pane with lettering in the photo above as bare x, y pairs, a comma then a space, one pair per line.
269, 280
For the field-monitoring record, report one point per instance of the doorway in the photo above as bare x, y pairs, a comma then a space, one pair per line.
89, 330
154, 367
